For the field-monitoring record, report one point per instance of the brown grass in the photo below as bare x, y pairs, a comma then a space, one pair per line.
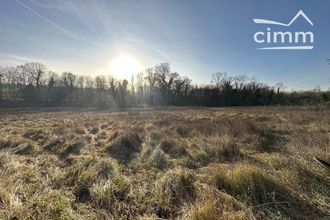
201, 164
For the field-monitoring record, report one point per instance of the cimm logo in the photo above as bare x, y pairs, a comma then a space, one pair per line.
284, 40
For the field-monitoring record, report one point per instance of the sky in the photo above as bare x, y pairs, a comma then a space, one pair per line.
197, 37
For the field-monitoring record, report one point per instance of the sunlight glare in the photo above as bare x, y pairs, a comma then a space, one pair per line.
124, 66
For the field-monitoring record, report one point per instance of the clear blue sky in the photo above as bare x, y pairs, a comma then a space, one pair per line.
197, 37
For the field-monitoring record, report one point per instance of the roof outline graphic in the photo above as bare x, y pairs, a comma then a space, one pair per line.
299, 13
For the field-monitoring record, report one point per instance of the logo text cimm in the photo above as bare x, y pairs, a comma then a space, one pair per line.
298, 40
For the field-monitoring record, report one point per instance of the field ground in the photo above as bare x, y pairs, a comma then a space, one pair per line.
171, 163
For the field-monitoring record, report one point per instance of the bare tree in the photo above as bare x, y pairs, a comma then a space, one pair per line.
139, 84
151, 80
178, 86
22, 79
80, 84
102, 95
69, 81
218, 78
36, 73
279, 90
89, 85
100, 83
239, 81
186, 85
165, 79
123, 93
162, 72
156, 85
52, 79
112, 86
8, 81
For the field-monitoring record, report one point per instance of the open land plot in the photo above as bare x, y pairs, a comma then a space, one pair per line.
171, 163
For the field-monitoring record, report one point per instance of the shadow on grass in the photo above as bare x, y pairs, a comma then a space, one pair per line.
266, 197
272, 141
125, 146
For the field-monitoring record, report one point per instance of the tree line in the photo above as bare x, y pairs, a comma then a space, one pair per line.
32, 84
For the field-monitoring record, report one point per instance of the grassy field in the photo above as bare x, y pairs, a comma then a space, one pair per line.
171, 163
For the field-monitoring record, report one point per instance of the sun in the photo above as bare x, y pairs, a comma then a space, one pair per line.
124, 66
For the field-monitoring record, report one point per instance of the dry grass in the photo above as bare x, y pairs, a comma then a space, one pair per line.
201, 164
